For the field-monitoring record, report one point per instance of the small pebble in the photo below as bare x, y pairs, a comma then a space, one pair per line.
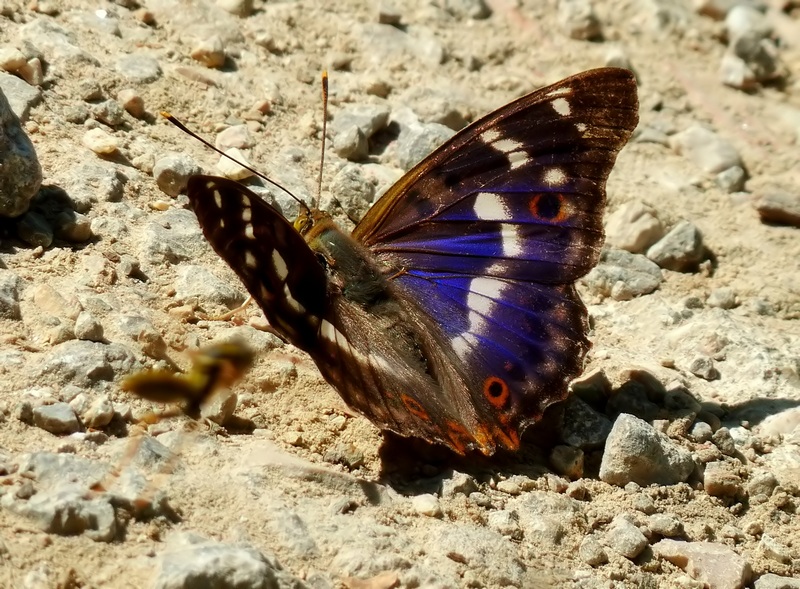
426, 504
100, 142
210, 52
132, 102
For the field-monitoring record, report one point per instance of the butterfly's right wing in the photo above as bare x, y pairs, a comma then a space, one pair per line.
270, 257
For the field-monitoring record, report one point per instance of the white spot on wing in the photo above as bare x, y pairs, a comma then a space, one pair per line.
554, 177
279, 264
293, 302
463, 344
581, 127
328, 331
245, 201
512, 149
490, 136
491, 207
561, 106
248, 231
483, 292
250, 259
512, 242
247, 214
218, 199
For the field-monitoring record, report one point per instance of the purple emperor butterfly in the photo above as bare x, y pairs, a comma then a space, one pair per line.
450, 313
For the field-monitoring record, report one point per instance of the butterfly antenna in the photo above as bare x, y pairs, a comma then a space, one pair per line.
324, 134
322, 151
208, 144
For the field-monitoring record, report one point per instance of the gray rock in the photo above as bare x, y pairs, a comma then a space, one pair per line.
58, 419
192, 561
583, 427
760, 59
416, 141
197, 282
680, 250
476, 9
65, 510
351, 144
665, 525
622, 275
57, 45
369, 118
34, 229
109, 112
20, 174
723, 440
591, 551
772, 581
352, 190
436, 105
701, 432
636, 452
85, 363
703, 367
174, 237
623, 537
93, 183
722, 298
762, 483
458, 483
567, 461
779, 206
172, 172
506, 522
732, 179
72, 226
634, 227
775, 550
710, 152
578, 19
139, 69
144, 333
546, 517
10, 285
21, 97
713, 564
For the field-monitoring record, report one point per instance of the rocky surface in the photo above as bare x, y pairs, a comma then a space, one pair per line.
675, 464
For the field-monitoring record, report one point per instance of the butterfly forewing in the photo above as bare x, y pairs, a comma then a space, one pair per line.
524, 186
269, 255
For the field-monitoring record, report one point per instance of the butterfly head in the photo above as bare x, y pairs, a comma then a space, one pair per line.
308, 219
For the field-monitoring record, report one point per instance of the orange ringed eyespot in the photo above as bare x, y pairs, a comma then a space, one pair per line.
549, 206
496, 392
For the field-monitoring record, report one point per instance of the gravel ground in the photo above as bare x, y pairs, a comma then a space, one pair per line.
676, 463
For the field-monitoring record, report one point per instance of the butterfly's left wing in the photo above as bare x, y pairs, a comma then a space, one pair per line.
489, 234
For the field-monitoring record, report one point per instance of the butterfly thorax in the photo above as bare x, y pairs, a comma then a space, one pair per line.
352, 271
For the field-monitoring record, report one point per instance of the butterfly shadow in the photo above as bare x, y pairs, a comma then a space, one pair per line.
413, 466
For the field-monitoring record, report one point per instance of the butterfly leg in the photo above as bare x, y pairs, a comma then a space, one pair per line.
229, 314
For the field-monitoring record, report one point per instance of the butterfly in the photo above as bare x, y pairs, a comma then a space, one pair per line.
450, 313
